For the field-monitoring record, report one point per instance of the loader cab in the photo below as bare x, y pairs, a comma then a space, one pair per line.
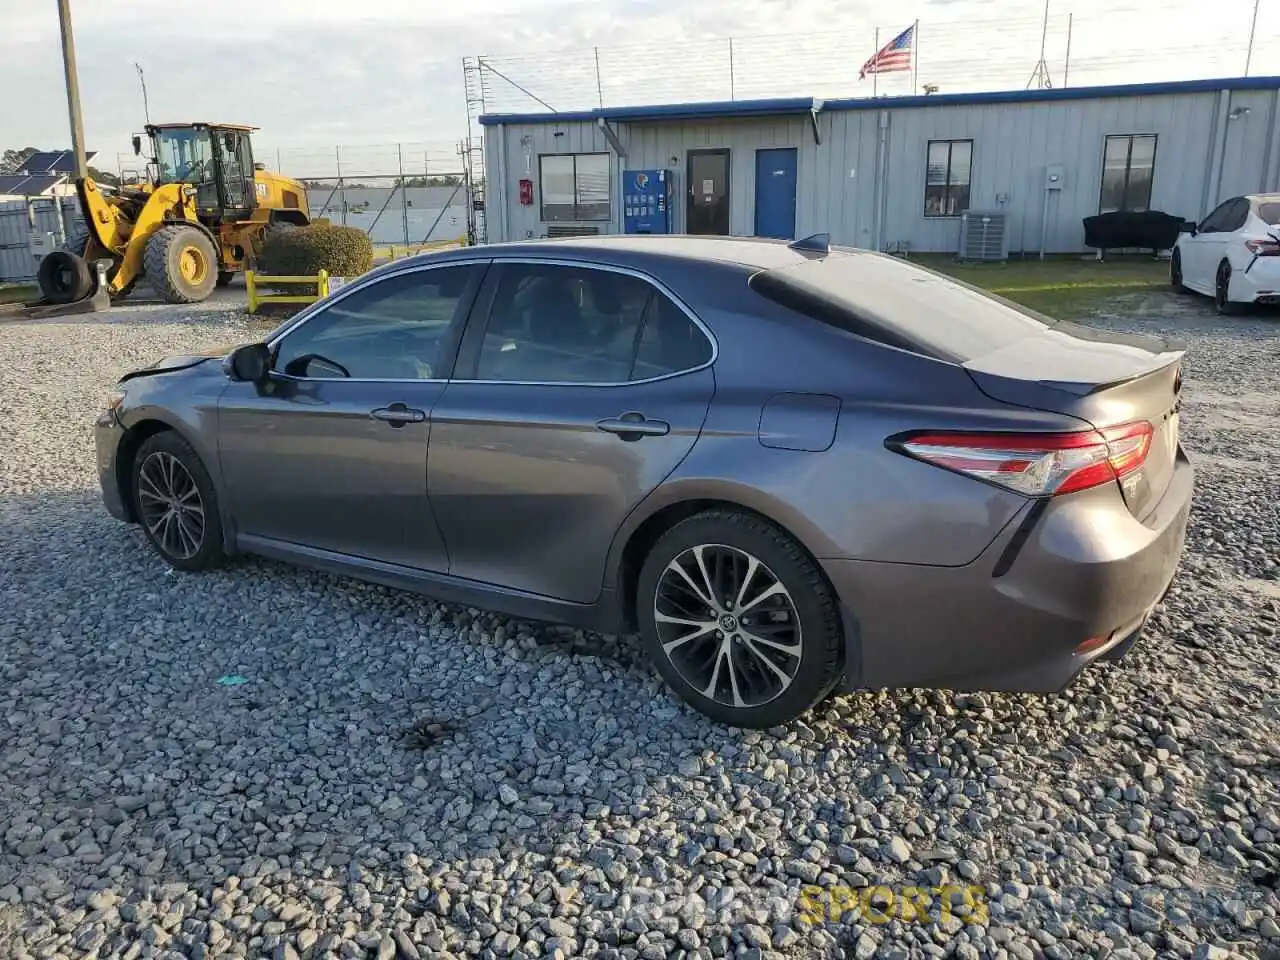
217, 159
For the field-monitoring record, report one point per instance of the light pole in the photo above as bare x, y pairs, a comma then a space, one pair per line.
73, 89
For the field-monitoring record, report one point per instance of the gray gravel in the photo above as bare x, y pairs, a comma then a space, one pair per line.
403, 778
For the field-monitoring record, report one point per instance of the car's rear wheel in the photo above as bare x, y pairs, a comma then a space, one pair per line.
739, 620
1222, 290
1175, 273
176, 504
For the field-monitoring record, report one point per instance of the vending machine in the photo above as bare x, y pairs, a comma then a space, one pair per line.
646, 201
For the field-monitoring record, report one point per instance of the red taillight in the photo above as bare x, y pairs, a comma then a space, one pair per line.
1037, 464
1263, 248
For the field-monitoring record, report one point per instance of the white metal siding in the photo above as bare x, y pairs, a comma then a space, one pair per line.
19, 220
1203, 155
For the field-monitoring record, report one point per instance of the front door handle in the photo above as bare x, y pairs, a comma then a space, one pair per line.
398, 415
633, 426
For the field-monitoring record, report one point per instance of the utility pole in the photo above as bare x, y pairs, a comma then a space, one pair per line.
146, 107
73, 88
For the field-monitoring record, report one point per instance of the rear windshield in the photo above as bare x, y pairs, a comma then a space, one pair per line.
891, 301
1270, 213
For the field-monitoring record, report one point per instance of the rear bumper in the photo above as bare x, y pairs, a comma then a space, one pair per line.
1259, 282
1086, 570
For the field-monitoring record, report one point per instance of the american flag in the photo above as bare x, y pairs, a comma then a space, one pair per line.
894, 55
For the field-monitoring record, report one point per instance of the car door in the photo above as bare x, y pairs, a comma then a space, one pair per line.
331, 452
1203, 252
578, 390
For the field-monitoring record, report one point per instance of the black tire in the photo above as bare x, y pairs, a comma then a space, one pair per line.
64, 277
181, 263
1175, 273
805, 615
78, 244
1221, 288
225, 277
151, 501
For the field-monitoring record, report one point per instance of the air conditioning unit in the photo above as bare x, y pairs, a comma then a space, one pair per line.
571, 230
983, 235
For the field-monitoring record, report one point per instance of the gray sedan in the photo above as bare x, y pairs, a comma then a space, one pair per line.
793, 469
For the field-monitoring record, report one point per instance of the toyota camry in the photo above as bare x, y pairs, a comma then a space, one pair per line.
792, 469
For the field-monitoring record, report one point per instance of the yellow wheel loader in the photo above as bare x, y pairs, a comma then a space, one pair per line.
198, 219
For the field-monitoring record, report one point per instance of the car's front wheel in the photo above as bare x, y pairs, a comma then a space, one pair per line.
175, 502
739, 620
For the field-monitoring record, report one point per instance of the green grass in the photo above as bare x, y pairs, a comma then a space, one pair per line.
1068, 288
18, 292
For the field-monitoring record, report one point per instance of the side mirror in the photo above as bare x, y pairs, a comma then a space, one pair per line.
1187, 226
137, 145
249, 363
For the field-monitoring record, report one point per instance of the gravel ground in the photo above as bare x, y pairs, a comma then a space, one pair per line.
403, 777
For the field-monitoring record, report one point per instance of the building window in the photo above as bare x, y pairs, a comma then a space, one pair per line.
1128, 163
575, 186
946, 179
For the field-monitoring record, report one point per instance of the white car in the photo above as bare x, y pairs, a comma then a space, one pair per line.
1233, 255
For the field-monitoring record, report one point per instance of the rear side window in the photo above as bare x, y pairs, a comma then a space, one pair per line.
895, 303
1270, 213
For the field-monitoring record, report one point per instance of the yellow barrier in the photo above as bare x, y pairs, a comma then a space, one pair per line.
398, 251
253, 278
321, 280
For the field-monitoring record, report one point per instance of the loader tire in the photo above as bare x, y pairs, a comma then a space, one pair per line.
225, 277
181, 264
78, 244
64, 277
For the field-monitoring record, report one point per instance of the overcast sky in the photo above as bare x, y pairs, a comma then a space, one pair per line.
316, 73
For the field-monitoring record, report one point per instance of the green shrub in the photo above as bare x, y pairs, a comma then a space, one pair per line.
342, 251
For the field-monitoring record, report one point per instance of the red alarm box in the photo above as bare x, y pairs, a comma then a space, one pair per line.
526, 192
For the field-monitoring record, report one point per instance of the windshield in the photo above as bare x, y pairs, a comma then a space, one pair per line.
184, 155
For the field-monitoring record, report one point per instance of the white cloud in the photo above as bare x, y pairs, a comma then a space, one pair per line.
314, 73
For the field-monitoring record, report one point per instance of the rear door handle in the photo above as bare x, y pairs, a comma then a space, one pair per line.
398, 415
633, 426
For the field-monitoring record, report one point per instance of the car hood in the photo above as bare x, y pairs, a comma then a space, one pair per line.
179, 361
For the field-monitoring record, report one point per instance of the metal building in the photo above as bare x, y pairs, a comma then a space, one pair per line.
889, 173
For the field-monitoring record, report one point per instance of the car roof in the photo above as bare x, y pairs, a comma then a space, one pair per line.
752, 253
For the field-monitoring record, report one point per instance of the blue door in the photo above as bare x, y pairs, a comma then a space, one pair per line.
776, 193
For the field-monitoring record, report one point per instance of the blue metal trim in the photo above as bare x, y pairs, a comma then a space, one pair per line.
1163, 88
800, 105
667, 111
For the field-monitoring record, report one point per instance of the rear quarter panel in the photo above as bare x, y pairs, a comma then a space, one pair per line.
856, 499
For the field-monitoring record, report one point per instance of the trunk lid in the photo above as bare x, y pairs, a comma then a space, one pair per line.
1103, 378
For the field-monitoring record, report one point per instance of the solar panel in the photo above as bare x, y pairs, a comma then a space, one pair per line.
54, 161
27, 185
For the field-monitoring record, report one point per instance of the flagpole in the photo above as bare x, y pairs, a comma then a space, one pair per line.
875, 72
915, 56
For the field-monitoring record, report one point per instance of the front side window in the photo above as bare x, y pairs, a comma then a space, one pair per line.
1128, 165
575, 186
400, 328
946, 179
184, 155
559, 324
